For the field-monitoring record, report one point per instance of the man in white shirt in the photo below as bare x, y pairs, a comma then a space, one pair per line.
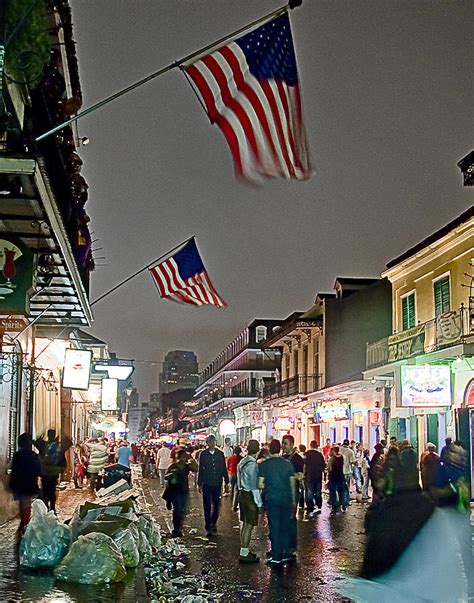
250, 500
162, 462
349, 462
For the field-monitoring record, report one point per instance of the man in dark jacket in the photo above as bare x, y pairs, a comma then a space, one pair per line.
313, 476
212, 470
25, 471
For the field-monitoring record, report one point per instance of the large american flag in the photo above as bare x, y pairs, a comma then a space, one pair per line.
182, 278
250, 90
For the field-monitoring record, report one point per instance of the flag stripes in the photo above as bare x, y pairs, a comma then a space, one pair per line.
196, 290
261, 119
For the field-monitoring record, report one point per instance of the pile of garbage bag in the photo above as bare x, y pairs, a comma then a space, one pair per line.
46, 541
128, 545
93, 559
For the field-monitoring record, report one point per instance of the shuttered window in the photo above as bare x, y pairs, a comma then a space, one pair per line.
408, 311
442, 300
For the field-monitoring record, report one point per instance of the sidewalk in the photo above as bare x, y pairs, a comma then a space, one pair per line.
31, 586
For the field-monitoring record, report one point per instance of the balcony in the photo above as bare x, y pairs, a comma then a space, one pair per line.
444, 331
299, 384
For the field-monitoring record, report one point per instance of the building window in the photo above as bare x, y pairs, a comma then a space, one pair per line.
316, 370
261, 333
408, 311
305, 360
295, 362
442, 295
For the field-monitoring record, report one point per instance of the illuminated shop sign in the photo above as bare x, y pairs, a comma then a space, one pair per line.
77, 369
283, 424
426, 386
109, 394
337, 409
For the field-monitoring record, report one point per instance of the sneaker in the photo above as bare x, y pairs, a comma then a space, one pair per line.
214, 530
273, 562
333, 512
311, 513
250, 558
290, 557
344, 509
318, 511
209, 533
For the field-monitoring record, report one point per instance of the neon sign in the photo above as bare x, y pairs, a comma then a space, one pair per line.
337, 409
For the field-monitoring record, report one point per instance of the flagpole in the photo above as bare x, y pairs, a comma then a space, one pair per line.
129, 278
176, 64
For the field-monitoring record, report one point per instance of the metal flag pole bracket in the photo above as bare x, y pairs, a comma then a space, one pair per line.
175, 64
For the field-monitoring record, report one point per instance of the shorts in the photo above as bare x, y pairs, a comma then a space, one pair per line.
248, 508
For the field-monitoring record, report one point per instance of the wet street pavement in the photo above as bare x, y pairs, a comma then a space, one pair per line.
328, 548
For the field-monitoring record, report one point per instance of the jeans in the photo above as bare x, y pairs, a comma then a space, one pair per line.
280, 516
162, 473
313, 494
365, 486
211, 498
234, 491
179, 502
338, 493
357, 475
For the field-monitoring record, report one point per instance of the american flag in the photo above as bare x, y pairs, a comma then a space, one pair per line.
182, 278
250, 90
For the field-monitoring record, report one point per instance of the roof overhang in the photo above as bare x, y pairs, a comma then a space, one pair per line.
35, 218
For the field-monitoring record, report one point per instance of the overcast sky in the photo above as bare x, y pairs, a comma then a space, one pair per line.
387, 96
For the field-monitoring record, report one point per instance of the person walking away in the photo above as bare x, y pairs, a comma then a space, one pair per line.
390, 467
338, 494
228, 450
250, 500
212, 472
177, 489
356, 469
429, 466
302, 495
445, 449
327, 449
232, 461
349, 462
25, 471
277, 480
376, 473
163, 462
97, 461
364, 469
313, 475
291, 454
80, 464
53, 464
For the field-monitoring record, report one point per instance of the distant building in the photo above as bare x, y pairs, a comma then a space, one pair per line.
137, 419
180, 371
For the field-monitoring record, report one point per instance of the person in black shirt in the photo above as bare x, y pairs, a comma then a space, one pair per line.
212, 471
291, 453
313, 474
177, 489
25, 471
338, 494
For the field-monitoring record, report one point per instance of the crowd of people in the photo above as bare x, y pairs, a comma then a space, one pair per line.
275, 479
279, 478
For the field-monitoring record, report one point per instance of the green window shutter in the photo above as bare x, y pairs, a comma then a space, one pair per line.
441, 296
408, 311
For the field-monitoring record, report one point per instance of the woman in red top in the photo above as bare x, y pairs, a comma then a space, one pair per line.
232, 461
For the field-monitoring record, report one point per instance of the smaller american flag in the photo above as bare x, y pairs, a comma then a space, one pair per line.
182, 278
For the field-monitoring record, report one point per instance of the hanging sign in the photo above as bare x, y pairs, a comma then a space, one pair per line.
77, 369
109, 395
16, 275
283, 424
426, 386
336, 409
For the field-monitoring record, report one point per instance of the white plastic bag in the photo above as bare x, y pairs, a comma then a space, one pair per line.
128, 546
92, 559
150, 528
45, 541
